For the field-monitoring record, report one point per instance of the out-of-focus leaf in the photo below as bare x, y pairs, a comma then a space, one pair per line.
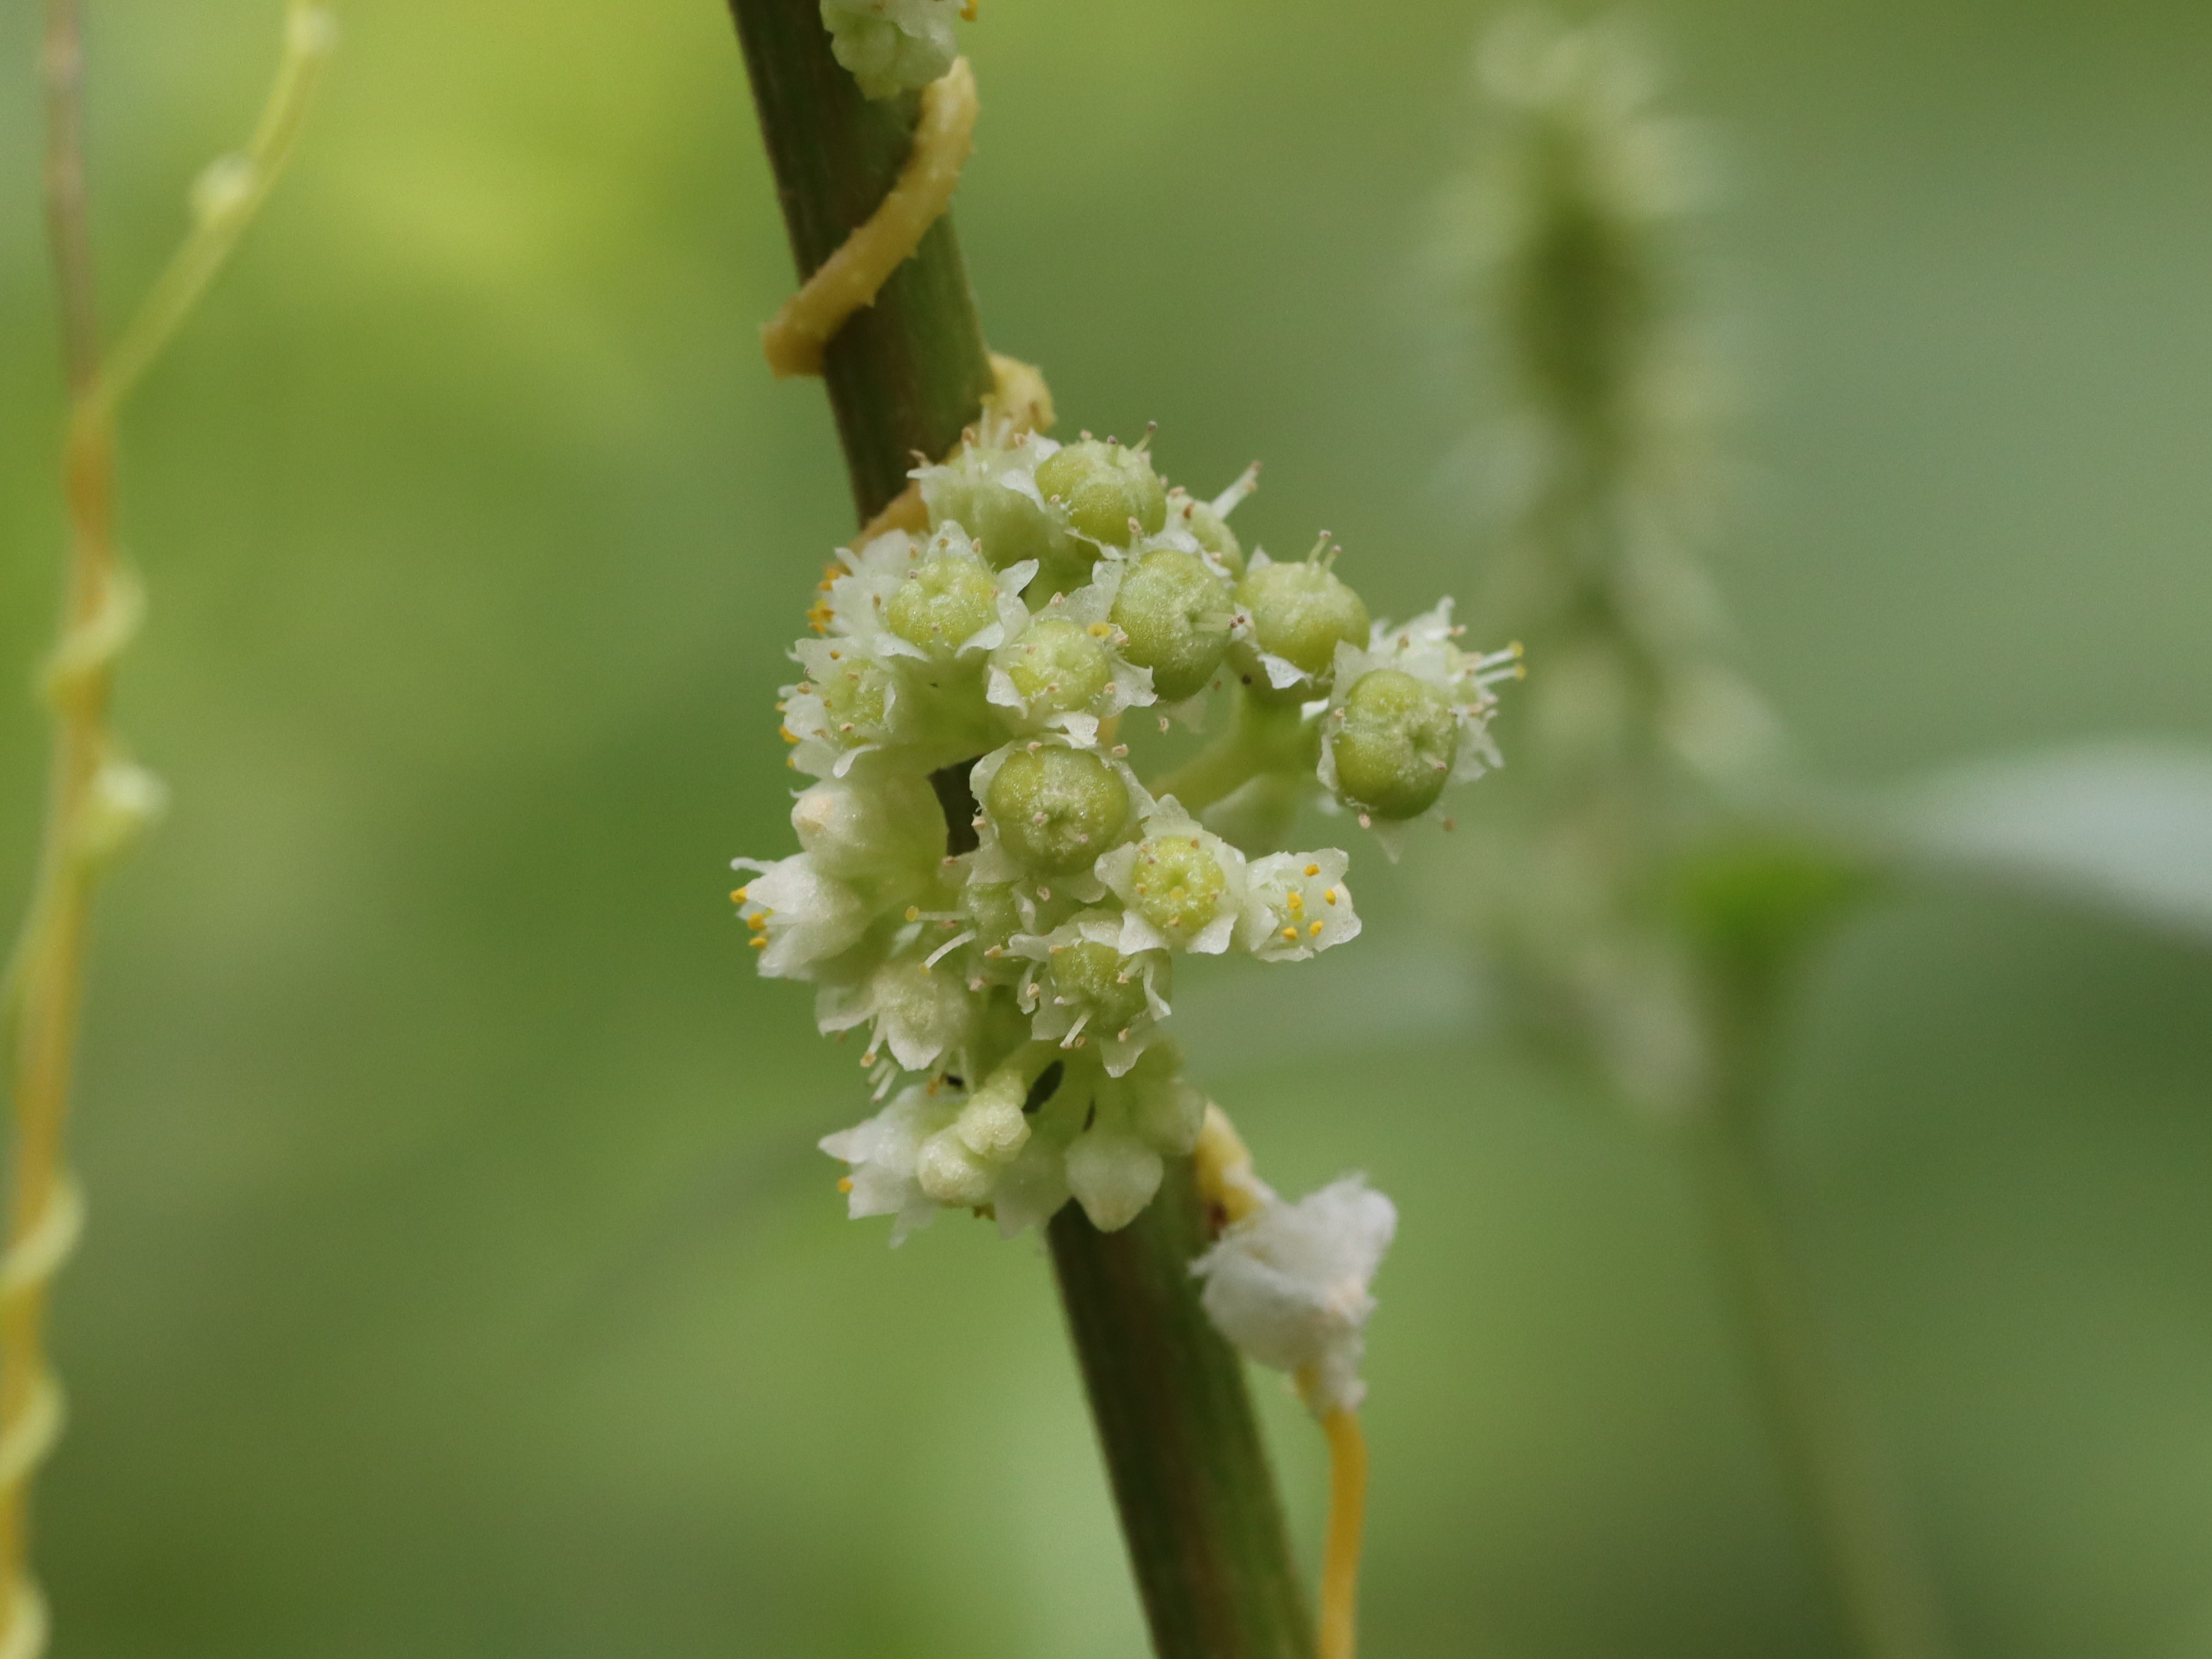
2124, 825
1752, 904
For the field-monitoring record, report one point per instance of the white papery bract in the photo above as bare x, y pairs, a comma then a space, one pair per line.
1288, 1286
1014, 961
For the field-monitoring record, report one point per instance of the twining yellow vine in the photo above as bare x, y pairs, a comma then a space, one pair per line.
97, 800
851, 277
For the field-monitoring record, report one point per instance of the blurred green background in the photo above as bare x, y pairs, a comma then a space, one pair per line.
462, 1278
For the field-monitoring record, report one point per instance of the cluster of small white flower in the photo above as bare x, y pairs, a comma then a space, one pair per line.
984, 884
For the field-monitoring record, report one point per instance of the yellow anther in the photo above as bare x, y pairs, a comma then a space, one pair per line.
913, 912
1328, 895
757, 924
739, 897
758, 941
1296, 900
844, 1183
1313, 870
786, 733
1315, 931
1290, 933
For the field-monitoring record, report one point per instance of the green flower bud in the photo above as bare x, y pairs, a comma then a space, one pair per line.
1214, 534
1099, 980
1395, 739
1008, 524
1103, 486
1056, 665
951, 1172
948, 600
889, 826
1301, 611
855, 700
991, 909
1057, 810
1177, 615
992, 1123
1179, 884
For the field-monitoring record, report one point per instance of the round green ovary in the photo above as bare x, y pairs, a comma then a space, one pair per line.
1007, 525
1103, 486
1057, 810
855, 700
1056, 666
1176, 614
1300, 612
1099, 978
1395, 746
1179, 885
949, 598
1214, 535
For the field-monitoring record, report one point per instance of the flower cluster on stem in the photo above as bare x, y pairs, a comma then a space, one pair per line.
987, 889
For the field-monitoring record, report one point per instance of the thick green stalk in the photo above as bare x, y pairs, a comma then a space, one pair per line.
906, 374
1198, 1504
1196, 1497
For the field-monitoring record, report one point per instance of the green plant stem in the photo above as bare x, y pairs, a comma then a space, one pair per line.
1196, 1497
1831, 1480
1205, 1533
1262, 737
906, 374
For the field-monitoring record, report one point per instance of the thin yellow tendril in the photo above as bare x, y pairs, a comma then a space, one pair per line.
851, 277
97, 801
1347, 1513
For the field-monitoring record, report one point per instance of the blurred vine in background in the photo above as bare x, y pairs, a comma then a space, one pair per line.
1646, 893
99, 799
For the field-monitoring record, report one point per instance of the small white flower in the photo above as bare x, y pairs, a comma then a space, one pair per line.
990, 490
1063, 814
1084, 989
1288, 1286
1296, 905
884, 1152
1184, 885
1061, 668
920, 1015
879, 829
1411, 713
804, 917
857, 583
948, 578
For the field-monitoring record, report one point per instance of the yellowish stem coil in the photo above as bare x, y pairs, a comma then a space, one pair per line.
851, 277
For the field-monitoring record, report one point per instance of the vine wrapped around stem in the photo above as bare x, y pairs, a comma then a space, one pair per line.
98, 802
